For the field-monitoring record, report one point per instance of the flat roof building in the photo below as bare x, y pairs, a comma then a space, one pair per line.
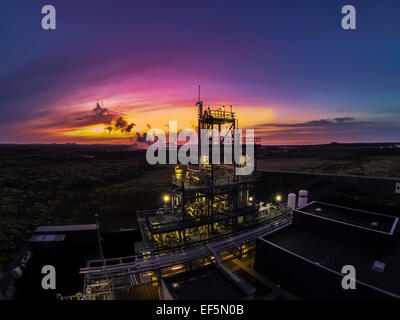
76, 234
66, 228
208, 283
307, 257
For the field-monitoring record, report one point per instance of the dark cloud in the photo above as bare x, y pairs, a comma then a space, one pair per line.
112, 120
316, 123
344, 129
139, 140
100, 115
141, 137
341, 120
129, 128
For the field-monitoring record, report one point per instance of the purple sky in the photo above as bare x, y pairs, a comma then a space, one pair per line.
287, 67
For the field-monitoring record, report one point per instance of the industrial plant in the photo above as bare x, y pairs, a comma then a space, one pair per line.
211, 217
210, 226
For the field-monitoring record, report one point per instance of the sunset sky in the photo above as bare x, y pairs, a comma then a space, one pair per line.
287, 67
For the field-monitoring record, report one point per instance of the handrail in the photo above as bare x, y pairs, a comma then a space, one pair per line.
143, 264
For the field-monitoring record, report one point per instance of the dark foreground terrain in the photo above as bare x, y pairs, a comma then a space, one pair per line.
69, 184
373, 159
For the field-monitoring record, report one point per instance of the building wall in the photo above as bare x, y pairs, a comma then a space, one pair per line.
164, 292
370, 194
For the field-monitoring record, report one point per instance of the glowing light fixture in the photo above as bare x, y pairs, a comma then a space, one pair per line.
166, 198
177, 268
278, 198
250, 198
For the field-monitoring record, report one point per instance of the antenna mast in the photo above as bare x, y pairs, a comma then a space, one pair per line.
200, 116
199, 103
198, 99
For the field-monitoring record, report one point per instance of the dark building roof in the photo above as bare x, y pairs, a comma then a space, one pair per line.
68, 228
328, 237
207, 283
353, 217
334, 253
47, 238
76, 234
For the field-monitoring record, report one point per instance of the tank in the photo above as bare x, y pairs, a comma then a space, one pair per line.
291, 203
303, 198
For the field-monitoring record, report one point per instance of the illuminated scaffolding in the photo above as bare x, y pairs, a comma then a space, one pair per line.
103, 277
209, 200
211, 217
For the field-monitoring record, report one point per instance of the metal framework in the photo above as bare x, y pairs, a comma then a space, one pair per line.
211, 218
209, 199
107, 275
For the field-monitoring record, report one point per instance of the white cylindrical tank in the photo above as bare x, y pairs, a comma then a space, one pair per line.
303, 198
291, 201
